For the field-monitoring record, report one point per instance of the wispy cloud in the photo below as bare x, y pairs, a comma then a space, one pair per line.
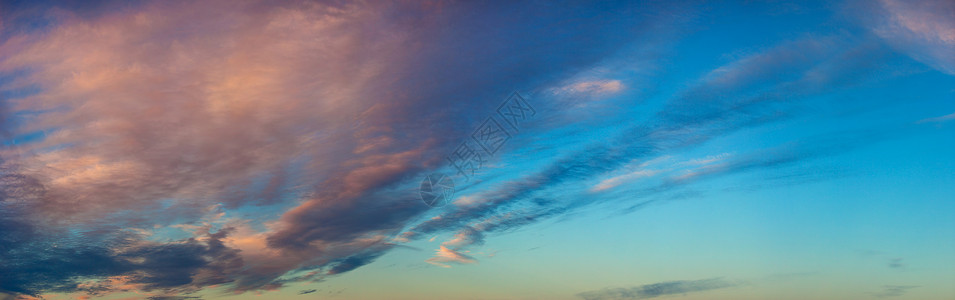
658, 289
749, 92
592, 88
924, 30
446, 255
896, 263
889, 291
617, 180
939, 119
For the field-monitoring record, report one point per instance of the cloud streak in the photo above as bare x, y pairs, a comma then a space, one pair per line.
658, 289
752, 91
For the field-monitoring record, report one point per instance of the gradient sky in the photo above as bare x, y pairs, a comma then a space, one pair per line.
678, 150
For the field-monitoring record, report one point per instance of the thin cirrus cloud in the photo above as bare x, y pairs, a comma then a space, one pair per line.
923, 29
660, 289
891, 291
143, 135
721, 103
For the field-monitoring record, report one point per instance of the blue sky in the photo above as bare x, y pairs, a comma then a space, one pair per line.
686, 150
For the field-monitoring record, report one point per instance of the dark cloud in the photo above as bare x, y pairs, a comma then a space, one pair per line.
657, 289
342, 221
35, 268
45, 264
303, 292
354, 261
167, 266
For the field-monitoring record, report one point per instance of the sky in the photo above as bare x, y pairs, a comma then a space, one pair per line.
587, 150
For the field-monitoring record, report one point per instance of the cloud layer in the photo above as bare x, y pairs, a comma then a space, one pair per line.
169, 147
138, 124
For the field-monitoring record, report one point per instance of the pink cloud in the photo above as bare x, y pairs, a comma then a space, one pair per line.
180, 103
445, 255
925, 30
171, 116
